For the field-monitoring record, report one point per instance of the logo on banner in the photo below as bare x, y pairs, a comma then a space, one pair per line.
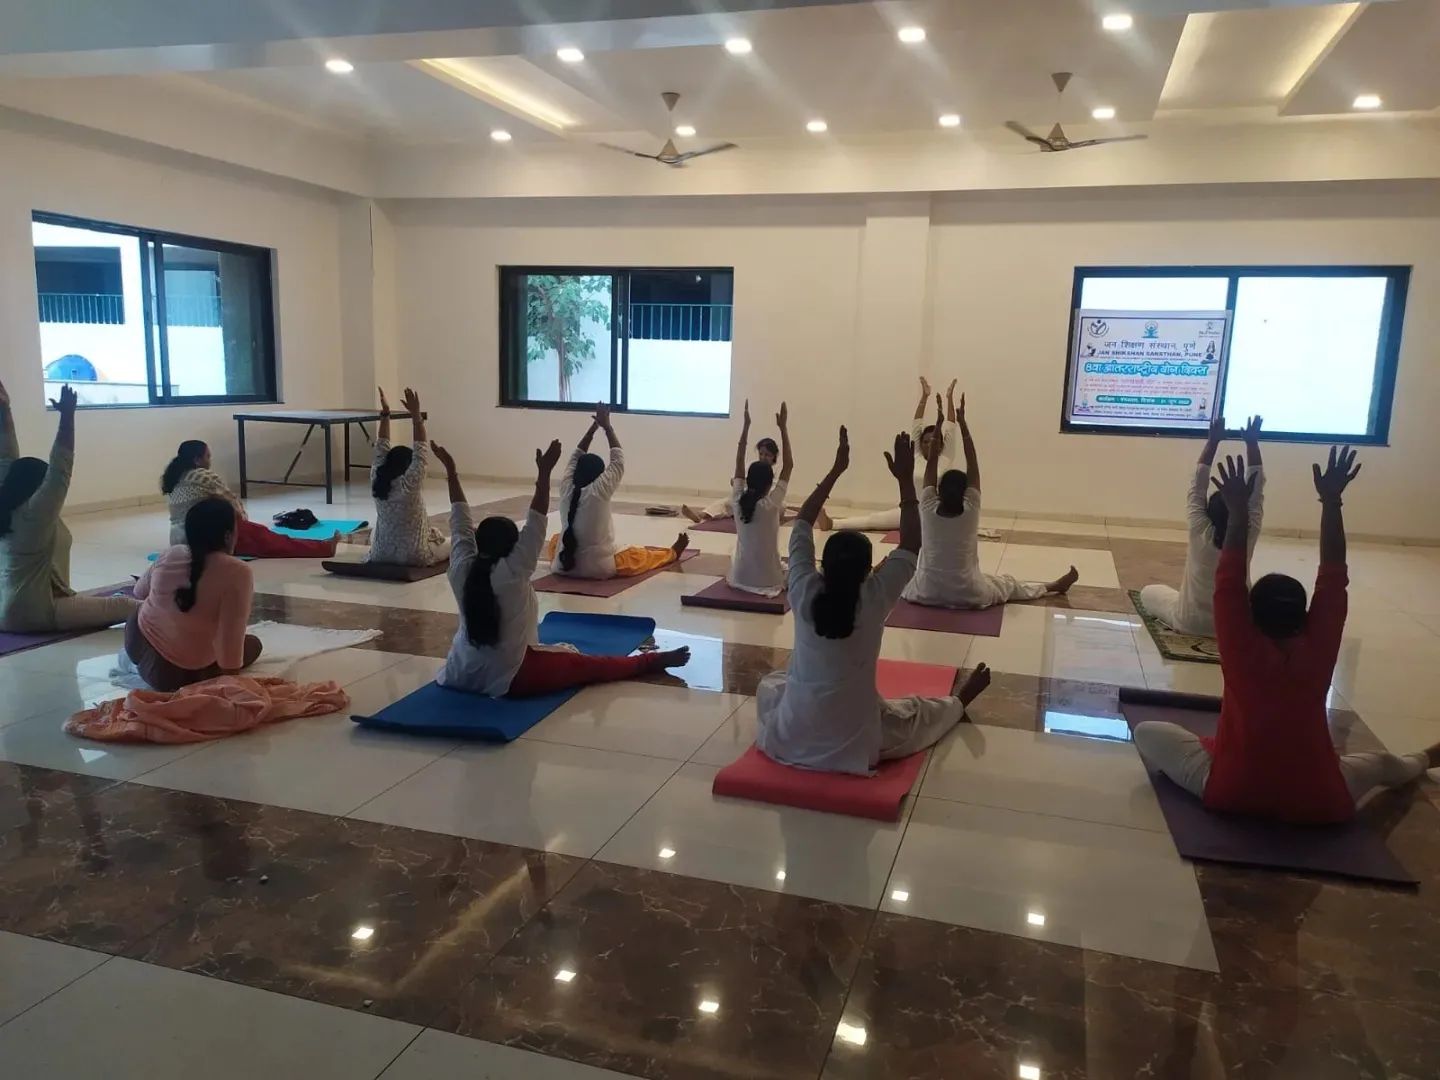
1099, 328
1152, 330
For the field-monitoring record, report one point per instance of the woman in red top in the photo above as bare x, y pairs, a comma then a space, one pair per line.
1272, 755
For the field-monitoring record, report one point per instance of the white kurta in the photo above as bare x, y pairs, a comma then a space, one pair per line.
594, 528
489, 669
403, 534
823, 711
949, 573
755, 566
1191, 610
885, 520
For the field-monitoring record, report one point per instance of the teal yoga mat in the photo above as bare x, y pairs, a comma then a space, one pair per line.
321, 530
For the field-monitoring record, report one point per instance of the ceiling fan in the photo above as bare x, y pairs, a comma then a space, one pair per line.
668, 155
1057, 141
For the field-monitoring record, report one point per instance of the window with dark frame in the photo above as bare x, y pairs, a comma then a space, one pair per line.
137, 317
1313, 349
642, 339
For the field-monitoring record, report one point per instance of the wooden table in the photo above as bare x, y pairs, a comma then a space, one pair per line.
325, 420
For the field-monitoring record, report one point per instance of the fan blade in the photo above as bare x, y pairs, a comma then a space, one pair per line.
1101, 142
1026, 133
708, 150
632, 153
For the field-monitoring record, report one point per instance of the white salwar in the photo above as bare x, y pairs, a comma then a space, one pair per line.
885, 520
1191, 610
594, 525
949, 574
823, 711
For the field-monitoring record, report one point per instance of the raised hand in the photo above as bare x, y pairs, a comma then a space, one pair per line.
842, 453
783, 416
443, 456
1331, 483
1252, 429
602, 414
924, 387
1216, 431
384, 403
901, 462
950, 390
937, 438
411, 400
68, 400
546, 462
1231, 482
960, 412
747, 412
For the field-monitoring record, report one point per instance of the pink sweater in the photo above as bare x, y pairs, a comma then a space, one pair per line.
213, 631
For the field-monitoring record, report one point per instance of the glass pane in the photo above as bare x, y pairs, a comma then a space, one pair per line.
564, 341
1303, 353
680, 329
92, 320
216, 345
1154, 294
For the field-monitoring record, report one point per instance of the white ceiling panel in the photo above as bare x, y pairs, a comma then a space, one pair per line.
1390, 49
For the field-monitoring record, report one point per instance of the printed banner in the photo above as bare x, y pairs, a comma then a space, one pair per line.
1146, 368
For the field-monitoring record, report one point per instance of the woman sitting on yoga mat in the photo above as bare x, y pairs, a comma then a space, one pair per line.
403, 534
921, 438
496, 651
188, 479
587, 539
758, 500
949, 574
823, 711
766, 452
1272, 755
35, 593
196, 606
1191, 609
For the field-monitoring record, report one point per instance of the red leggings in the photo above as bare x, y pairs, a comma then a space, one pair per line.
544, 672
260, 543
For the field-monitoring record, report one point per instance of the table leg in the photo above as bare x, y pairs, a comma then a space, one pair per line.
244, 486
346, 426
329, 470
296, 460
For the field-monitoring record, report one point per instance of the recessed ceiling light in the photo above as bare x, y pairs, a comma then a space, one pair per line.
1368, 101
911, 35
1035, 918
779, 875
564, 975
500, 135
362, 933
900, 896
817, 127
949, 119
1029, 1072
1104, 112
708, 1006
570, 54
851, 1033
667, 853
685, 131
739, 46
339, 67
1117, 22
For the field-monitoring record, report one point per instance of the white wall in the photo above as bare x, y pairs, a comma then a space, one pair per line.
840, 302
121, 452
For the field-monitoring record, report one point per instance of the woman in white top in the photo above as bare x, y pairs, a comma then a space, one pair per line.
587, 540
496, 651
403, 534
767, 451
1191, 610
922, 437
823, 711
949, 574
757, 500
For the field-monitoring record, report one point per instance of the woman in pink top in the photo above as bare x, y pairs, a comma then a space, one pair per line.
195, 606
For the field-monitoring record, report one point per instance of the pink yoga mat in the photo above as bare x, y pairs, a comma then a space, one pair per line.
574, 586
755, 776
14, 643
984, 622
723, 595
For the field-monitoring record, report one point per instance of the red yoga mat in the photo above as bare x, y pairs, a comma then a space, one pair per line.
724, 595
576, 586
982, 622
755, 776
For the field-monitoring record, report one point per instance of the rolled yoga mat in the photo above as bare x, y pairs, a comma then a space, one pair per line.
981, 622
755, 776
724, 595
323, 529
434, 710
377, 571
1350, 849
602, 587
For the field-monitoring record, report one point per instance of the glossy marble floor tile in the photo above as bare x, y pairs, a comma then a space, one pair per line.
26, 693
734, 736
132, 1019
42, 741
670, 978
684, 829
31, 970
533, 794
1035, 563
638, 718
1048, 878
438, 1055
1090, 647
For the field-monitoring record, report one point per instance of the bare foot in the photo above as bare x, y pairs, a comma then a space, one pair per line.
823, 522
975, 685
1061, 586
1433, 754
672, 658
681, 543
691, 514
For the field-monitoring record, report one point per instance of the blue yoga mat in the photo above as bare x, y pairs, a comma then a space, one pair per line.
321, 530
434, 710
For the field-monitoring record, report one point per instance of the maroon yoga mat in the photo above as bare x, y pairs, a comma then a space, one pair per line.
603, 587
14, 643
720, 525
723, 595
1352, 849
982, 622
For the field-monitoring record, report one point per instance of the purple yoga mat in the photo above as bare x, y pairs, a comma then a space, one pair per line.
721, 525
14, 643
723, 595
1352, 849
984, 622
575, 586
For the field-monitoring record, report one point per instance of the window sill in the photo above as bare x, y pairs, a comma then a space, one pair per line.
139, 406
616, 410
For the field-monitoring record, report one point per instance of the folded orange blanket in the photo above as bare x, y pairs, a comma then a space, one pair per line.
208, 710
